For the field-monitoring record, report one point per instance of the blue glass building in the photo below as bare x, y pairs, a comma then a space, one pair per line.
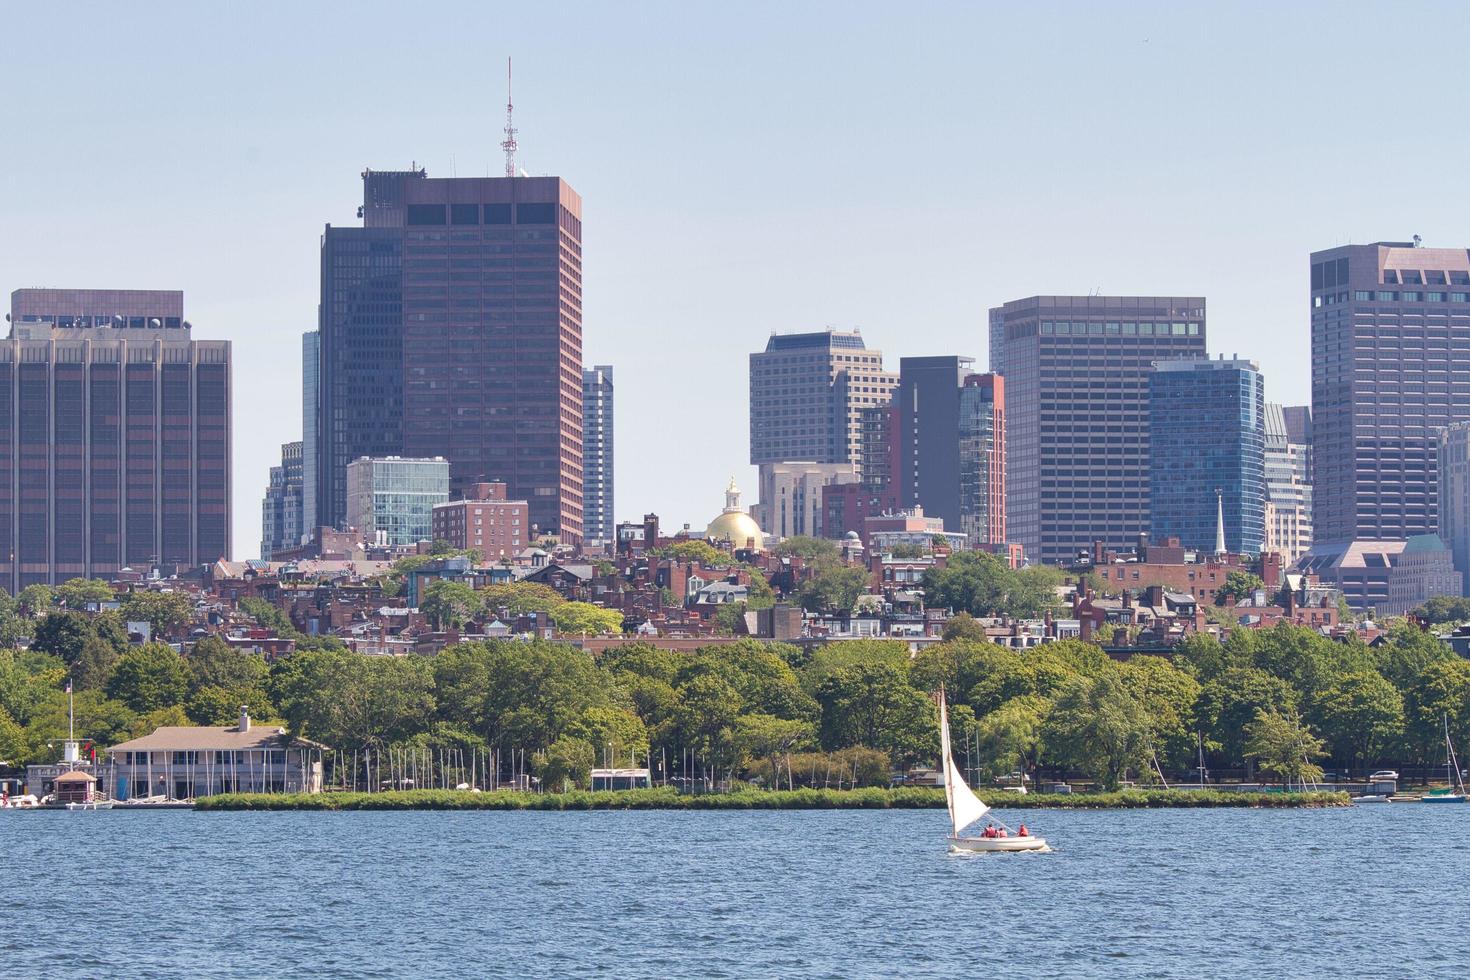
1208, 453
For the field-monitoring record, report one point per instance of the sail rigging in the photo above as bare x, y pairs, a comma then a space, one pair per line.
964, 806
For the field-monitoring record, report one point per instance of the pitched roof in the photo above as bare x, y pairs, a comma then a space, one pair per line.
188, 738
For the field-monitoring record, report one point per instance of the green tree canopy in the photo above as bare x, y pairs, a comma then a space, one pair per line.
164, 612
75, 593
1238, 586
1444, 609
873, 705
1096, 726
566, 763
579, 618
149, 677
833, 589
1282, 745
448, 604
1360, 713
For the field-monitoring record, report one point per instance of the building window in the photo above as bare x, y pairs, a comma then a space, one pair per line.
426, 214
464, 214
535, 214
497, 214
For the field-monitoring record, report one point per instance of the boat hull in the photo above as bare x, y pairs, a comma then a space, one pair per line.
1371, 799
998, 845
1445, 798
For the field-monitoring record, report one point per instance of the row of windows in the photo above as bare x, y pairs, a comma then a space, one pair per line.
1099, 329
470, 214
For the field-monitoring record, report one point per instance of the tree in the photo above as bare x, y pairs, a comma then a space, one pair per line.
615, 734
164, 612
268, 616
1360, 714
519, 598
214, 663
75, 593
12, 740
973, 581
704, 719
907, 551
1231, 701
1283, 746
1096, 726
834, 589
1441, 691
1167, 695
1034, 590
149, 677
1444, 609
585, 619
94, 664
873, 705
758, 592
63, 633
1010, 737
1238, 586
448, 603
567, 762
348, 700
963, 626
1408, 651
701, 552
36, 599
772, 739
817, 551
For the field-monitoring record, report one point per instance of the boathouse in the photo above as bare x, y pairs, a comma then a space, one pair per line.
179, 762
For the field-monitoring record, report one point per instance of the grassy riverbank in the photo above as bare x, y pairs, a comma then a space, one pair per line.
903, 798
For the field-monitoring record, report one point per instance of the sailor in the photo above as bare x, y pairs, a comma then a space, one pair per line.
989, 830
1023, 832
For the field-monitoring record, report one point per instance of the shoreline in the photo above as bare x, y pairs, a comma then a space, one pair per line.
667, 798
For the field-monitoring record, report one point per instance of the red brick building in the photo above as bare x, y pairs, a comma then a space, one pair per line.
484, 520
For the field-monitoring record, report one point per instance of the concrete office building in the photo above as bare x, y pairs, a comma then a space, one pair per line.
1288, 481
791, 496
1453, 462
451, 325
311, 373
281, 512
807, 395
1390, 369
114, 437
1207, 440
597, 455
391, 500
1076, 374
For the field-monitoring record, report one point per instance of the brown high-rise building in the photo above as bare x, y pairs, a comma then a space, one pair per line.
451, 325
114, 436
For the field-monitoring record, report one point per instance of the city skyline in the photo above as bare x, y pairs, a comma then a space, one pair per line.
681, 220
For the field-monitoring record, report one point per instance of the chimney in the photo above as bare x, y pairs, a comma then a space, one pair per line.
244, 718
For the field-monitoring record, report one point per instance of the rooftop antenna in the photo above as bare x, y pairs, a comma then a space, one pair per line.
509, 143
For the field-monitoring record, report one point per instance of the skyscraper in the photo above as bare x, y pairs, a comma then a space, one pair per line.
597, 454
1288, 481
311, 375
281, 512
928, 403
451, 325
1454, 494
1390, 368
807, 395
1076, 374
1208, 451
114, 436
982, 434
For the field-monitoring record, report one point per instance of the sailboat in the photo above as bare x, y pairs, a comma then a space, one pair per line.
1452, 772
965, 807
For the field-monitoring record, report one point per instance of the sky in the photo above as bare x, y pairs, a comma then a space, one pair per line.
744, 168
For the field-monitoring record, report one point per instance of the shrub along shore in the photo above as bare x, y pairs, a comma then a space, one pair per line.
667, 798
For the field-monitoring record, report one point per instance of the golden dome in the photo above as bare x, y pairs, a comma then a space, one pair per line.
734, 525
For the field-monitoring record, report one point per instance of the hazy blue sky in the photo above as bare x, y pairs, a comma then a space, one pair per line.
745, 168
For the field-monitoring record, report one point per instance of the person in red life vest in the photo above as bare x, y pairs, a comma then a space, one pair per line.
1023, 832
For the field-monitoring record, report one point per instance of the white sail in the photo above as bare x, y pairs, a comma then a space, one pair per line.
964, 806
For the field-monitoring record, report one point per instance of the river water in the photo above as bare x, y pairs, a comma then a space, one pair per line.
1163, 893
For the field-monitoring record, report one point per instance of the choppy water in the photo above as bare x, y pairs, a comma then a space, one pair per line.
1166, 893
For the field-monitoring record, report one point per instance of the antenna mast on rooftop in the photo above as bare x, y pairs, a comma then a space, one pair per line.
509, 143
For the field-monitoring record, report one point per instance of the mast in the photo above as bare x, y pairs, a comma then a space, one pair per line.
509, 143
